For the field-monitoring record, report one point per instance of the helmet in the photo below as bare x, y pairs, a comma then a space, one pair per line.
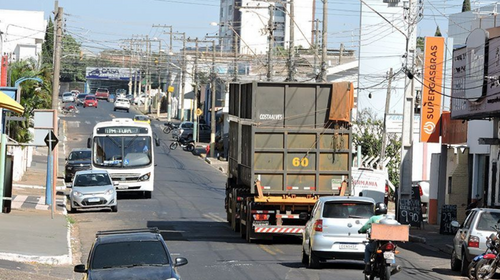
380, 208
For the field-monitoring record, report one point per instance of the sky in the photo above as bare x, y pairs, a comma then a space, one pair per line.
107, 23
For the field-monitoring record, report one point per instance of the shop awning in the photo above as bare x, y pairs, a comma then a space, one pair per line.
10, 104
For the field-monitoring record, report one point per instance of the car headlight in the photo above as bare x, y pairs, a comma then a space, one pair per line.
145, 177
77, 193
69, 168
109, 192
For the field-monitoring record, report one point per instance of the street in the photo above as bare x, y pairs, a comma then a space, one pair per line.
188, 207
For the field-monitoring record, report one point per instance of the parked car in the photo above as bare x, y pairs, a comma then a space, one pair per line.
75, 92
80, 98
68, 97
130, 98
332, 230
185, 131
180, 129
122, 104
138, 254
90, 101
120, 93
92, 189
142, 118
470, 239
78, 159
423, 187
102, 93
141, 99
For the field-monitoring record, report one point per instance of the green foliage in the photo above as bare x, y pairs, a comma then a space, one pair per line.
48, 45
421, 43
466, 6
33, 95
438, 32
72, 68
368, 132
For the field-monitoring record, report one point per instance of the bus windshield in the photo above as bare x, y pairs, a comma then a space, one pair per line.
122, 151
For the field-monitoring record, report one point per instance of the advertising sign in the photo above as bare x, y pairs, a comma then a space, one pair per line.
463, 107
110, 73
432, 89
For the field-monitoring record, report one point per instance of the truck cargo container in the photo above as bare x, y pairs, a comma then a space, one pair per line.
290, 143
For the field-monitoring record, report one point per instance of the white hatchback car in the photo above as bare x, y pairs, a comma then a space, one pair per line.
68, 97
92, 189
332, 230
122, 104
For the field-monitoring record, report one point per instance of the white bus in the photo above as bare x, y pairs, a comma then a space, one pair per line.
125, 149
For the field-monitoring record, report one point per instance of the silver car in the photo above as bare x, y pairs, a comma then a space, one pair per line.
68, 97
92, 189
332, 230
470, 239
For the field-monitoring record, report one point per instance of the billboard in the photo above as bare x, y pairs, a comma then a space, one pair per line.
432, 89
463, 107
111, 73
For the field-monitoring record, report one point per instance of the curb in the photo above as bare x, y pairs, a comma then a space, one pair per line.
417, 239
59, 188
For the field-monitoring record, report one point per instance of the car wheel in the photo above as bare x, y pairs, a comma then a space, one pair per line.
455, 262
127, 110
114, 109
305, 258
83, 106
313, 261
464, 265
72, 209
114, 208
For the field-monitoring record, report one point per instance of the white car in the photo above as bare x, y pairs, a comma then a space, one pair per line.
68, 97
92, 189
122, 104
140, 100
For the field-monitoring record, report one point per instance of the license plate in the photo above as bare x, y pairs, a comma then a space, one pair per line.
388, 255
96, 199
348, 246
122, 187
90, 104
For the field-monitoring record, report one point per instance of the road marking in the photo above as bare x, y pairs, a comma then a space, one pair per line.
263, 247
41, 204
18, 201
213, 217
87, 122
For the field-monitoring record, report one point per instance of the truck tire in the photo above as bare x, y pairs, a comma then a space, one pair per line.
249, 236
234, 221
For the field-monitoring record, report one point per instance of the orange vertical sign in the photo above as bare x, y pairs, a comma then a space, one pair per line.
432, 89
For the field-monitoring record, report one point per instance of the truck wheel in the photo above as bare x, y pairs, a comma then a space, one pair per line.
234, 221
249, 236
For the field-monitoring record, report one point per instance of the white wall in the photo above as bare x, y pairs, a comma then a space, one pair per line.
22, 28
476, 130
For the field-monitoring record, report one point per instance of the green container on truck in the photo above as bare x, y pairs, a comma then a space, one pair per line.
288, 146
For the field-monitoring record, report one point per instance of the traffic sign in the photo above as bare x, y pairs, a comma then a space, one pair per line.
199, 112
51, 140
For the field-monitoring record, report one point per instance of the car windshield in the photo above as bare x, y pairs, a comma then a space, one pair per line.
82, 95
67, 94
140, 118
92, 180
187, 125
90, 98
122, 100
79, 155
122, 151
347, 210
127, 254
488, 220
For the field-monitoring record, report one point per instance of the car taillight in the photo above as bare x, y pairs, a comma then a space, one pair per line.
318, 225
420, 189
387, 189
473, 241
388, 247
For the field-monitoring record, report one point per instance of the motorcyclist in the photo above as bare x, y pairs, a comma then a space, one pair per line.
380, 213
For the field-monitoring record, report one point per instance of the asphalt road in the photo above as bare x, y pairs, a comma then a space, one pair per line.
188, 207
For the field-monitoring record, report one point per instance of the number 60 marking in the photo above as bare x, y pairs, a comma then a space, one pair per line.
300, 162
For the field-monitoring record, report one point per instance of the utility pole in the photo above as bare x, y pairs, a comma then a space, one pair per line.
194, 116
387, 107
212, 99
148, 77
183, 75
169, 94
158, 65
291, 48
322, 76
316, 40
270, 38
235, 47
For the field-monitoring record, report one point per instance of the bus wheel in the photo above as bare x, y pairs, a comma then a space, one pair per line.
147, 195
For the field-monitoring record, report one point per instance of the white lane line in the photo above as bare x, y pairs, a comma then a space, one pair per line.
41, 204
214, 217
18, 201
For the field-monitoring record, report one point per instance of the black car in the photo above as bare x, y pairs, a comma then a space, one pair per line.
80, 98
78, 159
130, 254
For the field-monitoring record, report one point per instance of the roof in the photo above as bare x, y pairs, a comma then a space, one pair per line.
91, 171
344, 198
81, 150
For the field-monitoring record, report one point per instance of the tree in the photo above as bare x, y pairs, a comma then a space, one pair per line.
421, 43
438, 32
33, 95
466, 6
368, 132
48, 44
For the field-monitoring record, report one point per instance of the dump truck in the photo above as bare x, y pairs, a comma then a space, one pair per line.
290, 143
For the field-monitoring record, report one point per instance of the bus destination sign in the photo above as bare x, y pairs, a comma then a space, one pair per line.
122, 130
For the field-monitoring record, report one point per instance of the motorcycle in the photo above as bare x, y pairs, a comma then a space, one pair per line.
383, 258
69, 109
186, 144
383, 261
491, 247
168, 127
487, 265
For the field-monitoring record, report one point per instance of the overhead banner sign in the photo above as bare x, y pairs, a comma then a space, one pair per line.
111, 73
432, 89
